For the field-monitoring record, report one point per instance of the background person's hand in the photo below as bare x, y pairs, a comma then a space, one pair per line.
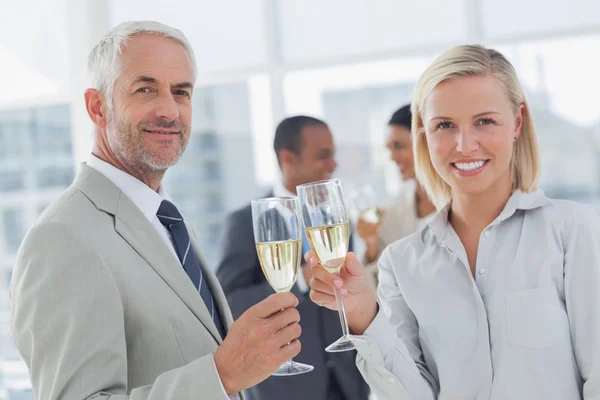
369, 232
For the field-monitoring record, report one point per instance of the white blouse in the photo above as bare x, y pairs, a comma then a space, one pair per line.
526, 327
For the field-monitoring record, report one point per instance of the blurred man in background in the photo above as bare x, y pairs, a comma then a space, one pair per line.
305, 153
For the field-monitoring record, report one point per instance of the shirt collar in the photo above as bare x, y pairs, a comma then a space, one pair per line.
146, 199
517, 201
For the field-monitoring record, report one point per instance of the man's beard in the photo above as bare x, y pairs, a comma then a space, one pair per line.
128, 144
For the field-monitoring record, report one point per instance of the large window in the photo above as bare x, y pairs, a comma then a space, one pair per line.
224, 34
562, 89
13, 224
36, 165
345, 28
34, 51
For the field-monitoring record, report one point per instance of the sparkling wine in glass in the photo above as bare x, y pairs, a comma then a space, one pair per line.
327, 229
278, 235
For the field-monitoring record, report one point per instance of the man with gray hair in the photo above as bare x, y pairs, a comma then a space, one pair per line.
110, 297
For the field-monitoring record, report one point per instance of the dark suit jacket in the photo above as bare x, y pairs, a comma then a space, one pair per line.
335, 375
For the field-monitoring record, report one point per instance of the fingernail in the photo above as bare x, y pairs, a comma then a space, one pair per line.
313, 261
337, 283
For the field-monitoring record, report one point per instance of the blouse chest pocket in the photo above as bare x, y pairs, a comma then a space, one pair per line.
535, 318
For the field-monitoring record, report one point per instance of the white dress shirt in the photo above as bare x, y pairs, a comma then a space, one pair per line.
527, 326
140, 194
146, 199
280, 191
422, 222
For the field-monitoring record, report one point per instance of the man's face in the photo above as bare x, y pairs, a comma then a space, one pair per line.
149, 125
316, 159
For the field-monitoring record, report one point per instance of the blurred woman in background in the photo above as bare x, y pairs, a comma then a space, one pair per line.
411, 211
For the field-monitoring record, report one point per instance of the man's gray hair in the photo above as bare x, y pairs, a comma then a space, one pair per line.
104, 62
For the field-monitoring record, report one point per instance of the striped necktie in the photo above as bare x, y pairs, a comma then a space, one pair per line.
170, 217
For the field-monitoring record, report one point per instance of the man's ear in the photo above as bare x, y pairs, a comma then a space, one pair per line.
96, 107
287, 157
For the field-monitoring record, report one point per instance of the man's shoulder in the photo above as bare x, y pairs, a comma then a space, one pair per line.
69, 207
243, 213
71, 221
240, 217
72, 212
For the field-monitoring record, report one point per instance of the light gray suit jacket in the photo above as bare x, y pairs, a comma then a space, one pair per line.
101, 308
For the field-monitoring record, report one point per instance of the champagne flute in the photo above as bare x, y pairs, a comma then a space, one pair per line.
364, 204
278, 237
328, 232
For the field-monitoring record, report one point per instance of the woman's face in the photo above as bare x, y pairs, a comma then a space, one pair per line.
471, 130
401, 152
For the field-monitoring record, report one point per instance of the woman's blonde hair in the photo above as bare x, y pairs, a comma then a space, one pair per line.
463, 61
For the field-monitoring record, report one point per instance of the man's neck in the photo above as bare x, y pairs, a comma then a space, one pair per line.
289, 185
151, 179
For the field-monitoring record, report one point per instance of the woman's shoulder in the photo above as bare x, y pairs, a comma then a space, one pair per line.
571, 208
572, 215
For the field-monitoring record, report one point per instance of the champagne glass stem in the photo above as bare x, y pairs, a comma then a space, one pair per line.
339, 299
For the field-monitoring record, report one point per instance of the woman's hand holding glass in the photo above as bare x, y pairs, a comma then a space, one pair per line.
360, 302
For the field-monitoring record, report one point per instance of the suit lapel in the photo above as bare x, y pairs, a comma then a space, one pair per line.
135, 228
138, 232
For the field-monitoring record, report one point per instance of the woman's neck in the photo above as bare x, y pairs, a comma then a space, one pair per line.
474, 212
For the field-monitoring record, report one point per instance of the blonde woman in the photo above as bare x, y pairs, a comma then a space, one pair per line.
499, 297
410, 212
